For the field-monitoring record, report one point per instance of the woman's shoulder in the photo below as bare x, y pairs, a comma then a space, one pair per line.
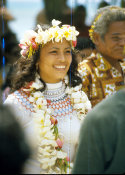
20, 105
21, 98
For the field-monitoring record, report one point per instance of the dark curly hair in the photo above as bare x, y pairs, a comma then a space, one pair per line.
24, 71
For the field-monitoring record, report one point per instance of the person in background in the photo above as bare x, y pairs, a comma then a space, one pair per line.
47, 97
102, 74
54, 10
79, 17
103, 4
84, 48
122, 4
102, 138
14, 148
9, 49
8, 41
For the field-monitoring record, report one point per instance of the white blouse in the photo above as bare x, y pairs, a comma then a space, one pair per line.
68, 123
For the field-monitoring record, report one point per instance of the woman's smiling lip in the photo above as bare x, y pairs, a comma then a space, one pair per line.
60, 67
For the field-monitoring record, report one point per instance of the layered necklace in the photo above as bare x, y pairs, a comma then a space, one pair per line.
50, 154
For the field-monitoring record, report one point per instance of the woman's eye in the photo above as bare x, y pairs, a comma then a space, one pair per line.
54, 51
68, 51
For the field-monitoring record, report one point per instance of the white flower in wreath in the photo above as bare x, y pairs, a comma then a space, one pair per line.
39, 38
67, 33
55, 22
46, 37
59, 37
51, 35
28, 36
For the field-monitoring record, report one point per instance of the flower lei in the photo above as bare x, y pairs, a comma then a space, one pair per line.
29, 44
50, 154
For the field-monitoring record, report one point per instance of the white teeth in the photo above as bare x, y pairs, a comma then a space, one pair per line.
60, 67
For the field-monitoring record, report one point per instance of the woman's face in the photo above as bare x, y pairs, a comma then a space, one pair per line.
55, 60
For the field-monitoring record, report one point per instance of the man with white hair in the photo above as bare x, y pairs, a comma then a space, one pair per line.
102, 72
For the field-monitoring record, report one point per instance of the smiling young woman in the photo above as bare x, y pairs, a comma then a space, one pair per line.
47, 97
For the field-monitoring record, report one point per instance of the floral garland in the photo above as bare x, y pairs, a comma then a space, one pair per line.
29, 44
50, 154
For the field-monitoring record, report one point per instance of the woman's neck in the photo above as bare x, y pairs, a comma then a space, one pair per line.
54, 85
54, 90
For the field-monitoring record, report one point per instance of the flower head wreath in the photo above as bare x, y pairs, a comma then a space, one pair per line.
32, 40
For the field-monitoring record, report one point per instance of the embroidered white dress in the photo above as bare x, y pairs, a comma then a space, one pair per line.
68, 123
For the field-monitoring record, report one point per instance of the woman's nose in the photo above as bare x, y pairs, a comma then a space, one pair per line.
62, 57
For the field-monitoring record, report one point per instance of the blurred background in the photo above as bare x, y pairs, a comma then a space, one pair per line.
17, 16
26, 11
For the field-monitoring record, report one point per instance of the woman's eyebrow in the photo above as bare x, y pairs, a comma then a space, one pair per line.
54, 48
68, 48
59, 48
